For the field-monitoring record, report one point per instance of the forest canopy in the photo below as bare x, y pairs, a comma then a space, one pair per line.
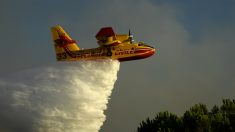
197, 119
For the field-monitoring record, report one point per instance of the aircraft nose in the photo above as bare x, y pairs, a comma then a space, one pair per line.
153, 50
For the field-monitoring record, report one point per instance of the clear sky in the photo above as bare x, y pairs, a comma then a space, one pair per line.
195, 39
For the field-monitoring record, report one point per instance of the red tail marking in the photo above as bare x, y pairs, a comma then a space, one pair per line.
63, 41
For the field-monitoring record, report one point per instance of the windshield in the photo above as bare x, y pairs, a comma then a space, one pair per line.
143, 44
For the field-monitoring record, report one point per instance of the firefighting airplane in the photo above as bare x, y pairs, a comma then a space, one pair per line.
115, 46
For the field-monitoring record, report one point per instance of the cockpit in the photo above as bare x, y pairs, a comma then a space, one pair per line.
144, 44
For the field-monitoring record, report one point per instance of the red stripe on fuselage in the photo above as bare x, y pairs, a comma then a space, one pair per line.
150, 53
142, 50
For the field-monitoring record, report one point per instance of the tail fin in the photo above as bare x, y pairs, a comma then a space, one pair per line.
62, 41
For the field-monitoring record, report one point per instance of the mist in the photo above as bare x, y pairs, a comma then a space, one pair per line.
62, 97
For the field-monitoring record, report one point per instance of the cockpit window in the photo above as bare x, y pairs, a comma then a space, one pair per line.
143, 44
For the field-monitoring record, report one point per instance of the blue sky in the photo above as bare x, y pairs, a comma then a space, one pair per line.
195, 39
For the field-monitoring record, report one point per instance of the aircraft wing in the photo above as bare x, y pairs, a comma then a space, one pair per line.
106, 36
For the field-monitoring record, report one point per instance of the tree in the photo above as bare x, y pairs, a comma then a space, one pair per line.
163, 122
228, 109
196, 119
219, 122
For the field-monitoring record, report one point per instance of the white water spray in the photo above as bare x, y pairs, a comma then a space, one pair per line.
66, 97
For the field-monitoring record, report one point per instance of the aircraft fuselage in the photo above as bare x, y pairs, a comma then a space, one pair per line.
111, 46
121, 52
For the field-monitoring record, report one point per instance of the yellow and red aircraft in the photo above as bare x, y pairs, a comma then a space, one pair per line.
115, 46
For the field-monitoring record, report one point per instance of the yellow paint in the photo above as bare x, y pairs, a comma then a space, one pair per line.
67, 50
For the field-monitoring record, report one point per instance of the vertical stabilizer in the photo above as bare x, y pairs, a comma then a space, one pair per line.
62, 42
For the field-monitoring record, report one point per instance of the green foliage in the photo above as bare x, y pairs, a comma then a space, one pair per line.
196, 119
163, 122
219, 122
228, 109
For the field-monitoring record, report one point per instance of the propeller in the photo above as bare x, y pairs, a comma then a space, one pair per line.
131, 37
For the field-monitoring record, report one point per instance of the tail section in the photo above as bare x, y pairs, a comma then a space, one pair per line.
63, 43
